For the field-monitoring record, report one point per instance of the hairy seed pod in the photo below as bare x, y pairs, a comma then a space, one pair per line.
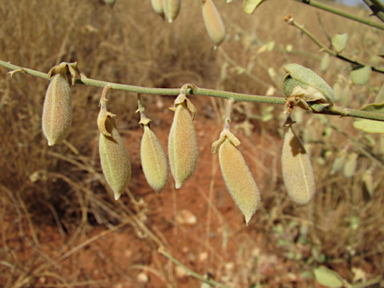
182, 145
114, 158
238, 179
153, 160
213, 23
57, 109
157, 6
298, 175
171, 9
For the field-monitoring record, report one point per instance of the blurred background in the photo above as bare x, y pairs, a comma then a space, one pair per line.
60, 226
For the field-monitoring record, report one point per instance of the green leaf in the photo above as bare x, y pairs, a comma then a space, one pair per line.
339, 41
360, 74
328, 277
251, 5
306, 84
371, 126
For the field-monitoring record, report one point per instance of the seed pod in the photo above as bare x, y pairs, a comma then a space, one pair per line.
338, 163
238, 179
182, 143
114, 158
57, 109
153, 160
213, 23
350, 165
298, 175
171, 9
157, 6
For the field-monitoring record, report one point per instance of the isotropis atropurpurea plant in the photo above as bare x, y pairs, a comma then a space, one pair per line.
303, 89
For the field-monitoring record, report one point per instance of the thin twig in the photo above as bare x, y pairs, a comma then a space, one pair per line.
377, 8
289, 20
341, 13
332, 110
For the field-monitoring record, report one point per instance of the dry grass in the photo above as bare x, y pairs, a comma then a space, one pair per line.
59, 222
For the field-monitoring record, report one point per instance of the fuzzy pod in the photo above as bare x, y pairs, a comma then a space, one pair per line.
298, 175
182, 145
171, 9
157, 6
238, 179
153, 160
114, 158
57, 109
213, 23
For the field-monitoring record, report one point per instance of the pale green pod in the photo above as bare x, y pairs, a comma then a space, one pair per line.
238, 179
350, 165
298, 175
347, 96
337, 89
339, 162
114, 158
57, 109
153, 160
171, 9
157, 6
213, 22
303, 83
182, 145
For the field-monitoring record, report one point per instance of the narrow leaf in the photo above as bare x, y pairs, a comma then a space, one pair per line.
371, 126
339, 42
328, 277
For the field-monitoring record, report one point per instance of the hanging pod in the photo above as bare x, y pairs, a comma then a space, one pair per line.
113, 154
153, 160
171, 9
298, 175
57, 107
236, 174
157, 6
182, 142
213, 22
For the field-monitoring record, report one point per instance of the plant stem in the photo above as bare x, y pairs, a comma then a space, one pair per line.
289, 20
229, 111
332, 110
377, 8
193, 273
341, 13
